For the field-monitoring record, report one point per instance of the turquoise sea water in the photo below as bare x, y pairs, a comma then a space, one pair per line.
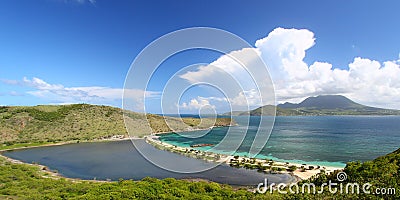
318, 140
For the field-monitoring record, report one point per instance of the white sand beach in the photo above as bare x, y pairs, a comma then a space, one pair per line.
302, 171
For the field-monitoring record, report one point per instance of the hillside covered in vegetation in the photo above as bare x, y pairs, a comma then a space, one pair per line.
383, 175
56, 123
319, 105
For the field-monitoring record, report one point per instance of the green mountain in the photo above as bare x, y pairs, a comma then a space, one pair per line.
319, 105
325, 102
55, 123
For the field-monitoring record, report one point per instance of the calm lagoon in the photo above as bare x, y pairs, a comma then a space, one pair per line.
119, 159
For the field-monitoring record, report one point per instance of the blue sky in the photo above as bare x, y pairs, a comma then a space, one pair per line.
70, 51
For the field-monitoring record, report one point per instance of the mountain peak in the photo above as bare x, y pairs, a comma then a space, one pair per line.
324, 102
319, 105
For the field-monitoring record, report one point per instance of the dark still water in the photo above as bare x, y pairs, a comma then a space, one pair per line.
114, 160
320, 140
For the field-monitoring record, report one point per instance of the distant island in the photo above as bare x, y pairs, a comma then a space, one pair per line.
319, 105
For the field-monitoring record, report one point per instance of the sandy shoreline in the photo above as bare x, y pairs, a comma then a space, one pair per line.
63, 143
303, 171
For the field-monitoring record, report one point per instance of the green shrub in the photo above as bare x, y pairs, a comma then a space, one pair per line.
292, 168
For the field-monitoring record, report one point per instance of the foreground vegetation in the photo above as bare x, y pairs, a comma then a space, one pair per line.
22, 125
383, 172
22, 181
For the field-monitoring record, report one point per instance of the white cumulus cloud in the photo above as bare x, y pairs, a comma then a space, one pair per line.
283, 50
197, 104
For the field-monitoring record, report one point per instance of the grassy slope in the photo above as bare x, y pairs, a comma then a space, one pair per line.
83, 122
59, 123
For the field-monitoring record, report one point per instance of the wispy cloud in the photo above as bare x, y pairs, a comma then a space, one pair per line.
84, 1
60, 94
16, 94
77, 1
